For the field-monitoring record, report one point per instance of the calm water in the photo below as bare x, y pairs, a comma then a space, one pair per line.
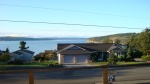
37, 46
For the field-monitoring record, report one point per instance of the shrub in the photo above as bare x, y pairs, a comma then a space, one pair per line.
105, 58
38, 58
16, 61
4, 57
146, 58
94, 57
56, 64
121, 58
128, 58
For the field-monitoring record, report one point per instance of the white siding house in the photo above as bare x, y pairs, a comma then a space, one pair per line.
25, 55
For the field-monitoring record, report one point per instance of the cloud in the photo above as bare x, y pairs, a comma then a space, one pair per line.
51, 34
13, 34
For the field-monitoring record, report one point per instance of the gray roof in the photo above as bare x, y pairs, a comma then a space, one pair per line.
116, 48
87, 47
75, 52
18, 52
28, 51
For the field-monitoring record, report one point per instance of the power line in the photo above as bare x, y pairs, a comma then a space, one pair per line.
66, 24
76, 11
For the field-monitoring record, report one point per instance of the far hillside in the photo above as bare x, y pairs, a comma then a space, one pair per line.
122, 38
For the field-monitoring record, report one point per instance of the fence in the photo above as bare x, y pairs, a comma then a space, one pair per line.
105, 71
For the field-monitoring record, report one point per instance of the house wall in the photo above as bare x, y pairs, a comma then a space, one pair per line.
12, 58
17, 56
27, 57
61, 58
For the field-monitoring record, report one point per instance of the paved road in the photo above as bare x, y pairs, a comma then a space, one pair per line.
90, 76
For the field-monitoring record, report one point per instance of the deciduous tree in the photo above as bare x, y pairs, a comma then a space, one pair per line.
5, 57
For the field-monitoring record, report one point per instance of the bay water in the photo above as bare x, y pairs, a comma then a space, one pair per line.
37, 46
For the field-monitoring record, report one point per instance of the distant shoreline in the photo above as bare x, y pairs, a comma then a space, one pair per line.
34, 39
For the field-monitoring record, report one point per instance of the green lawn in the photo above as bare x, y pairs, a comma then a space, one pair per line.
118, 63
33, 64
45, 64
41, 63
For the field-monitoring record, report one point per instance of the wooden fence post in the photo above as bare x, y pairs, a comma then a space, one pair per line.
105, 75
31, 77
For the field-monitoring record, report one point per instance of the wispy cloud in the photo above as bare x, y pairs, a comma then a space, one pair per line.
13, 34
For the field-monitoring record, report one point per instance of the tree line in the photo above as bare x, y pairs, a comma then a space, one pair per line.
138, 46
116, 38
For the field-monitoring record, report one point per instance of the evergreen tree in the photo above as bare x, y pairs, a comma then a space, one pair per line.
132, 42
112, 58
22, 45
117, 41
7, 50
129, 55
144, 41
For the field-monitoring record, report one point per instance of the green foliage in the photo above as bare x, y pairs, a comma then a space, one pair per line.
139, 44
117, 41
46, 56
38, 58
119, 38
117, 63
7, 50
144, 41
121, 58
17, 62
94, 57
137, 53
146, 58
130, 55
22, 45
105, 58
4, 57
133, 41
134, 47
112, 59
107, 40
129, 58
129, 52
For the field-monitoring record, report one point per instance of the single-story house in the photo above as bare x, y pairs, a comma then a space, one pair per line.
79, 53
25, 55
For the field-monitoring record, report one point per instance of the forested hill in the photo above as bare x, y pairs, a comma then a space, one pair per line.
122, 38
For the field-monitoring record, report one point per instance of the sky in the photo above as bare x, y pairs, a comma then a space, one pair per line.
72, 18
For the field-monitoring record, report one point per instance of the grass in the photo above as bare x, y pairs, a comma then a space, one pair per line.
118, 63
41, 63
33, 64
4, 66
127, 63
